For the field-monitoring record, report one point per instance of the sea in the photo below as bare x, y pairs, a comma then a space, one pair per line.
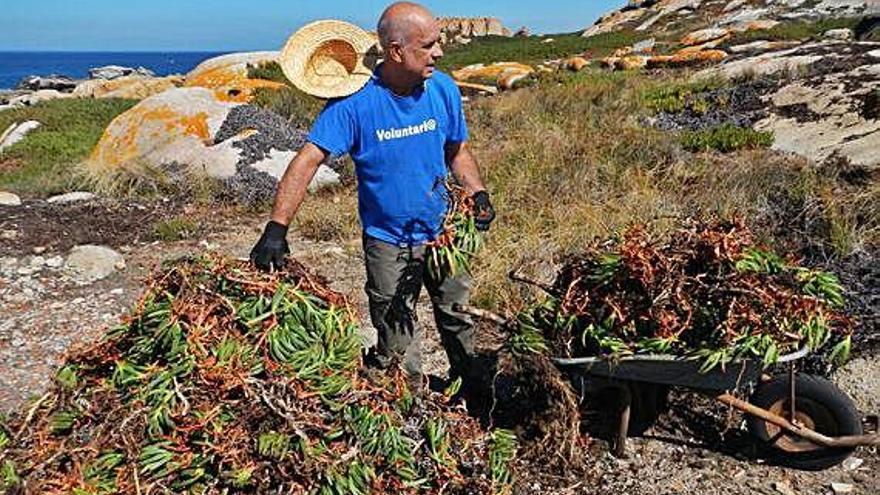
14, 66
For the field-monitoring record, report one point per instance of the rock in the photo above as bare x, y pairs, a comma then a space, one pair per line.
705, 35
109, 72
759, 25
468, 27
38, 97
613, 21
745, 15
55, 262
762, 46
841, 488
783, 488
839, 34
227, 75
469, 89
644, 46
632, 62
852, 463
650, 22
9, 199
830, 113
762, 65
278, 162
874, 54
501, 73
686, 58
134, 87
89, 263
575, 63
54, 82
734, 4
548, 40
16, 133
71, 197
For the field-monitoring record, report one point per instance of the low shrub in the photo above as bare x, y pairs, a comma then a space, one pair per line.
726, 138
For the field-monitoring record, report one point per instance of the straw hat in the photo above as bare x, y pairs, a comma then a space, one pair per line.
329, 59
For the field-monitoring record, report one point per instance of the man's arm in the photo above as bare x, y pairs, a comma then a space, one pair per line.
464, 167
295, 182
270, 250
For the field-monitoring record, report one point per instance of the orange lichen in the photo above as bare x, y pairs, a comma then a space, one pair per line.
230, 83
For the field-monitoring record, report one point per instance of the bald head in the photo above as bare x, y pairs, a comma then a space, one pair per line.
401, 21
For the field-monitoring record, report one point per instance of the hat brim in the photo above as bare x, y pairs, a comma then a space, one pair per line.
329, 58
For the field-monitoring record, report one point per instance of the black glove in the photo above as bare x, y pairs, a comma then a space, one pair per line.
483, 211
272, 247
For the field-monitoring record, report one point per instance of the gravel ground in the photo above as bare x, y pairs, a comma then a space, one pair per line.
42, 313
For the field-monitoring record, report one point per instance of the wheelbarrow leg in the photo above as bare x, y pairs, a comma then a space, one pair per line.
623, 421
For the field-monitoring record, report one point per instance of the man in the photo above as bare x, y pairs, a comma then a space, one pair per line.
404, 130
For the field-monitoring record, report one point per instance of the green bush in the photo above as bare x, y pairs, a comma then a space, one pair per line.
674, 97
726, 138
44, 162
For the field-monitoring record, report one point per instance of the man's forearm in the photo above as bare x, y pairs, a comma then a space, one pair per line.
295, 182
464, 167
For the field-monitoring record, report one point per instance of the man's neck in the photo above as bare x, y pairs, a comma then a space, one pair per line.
396, 81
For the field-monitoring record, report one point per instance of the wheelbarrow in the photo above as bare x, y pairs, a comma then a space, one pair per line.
801, 421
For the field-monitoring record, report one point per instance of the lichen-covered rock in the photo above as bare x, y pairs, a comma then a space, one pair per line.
134, 87
704, 35
575, 63
502, 74
158, 129
686, 58
227, 75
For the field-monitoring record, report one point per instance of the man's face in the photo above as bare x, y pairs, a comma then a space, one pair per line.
422, 49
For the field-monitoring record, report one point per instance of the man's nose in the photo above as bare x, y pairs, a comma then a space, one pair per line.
438, 52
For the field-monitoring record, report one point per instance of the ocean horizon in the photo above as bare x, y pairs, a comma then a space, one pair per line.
16, 65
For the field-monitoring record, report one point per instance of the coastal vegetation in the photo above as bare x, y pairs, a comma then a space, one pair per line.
45, 162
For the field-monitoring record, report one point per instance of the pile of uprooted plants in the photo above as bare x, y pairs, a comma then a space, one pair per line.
228, 380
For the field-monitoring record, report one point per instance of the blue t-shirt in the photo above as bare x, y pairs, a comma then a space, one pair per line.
397, 144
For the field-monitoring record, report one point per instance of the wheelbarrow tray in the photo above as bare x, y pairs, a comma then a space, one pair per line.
670, 370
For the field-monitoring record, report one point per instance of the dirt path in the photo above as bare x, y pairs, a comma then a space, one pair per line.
42, 313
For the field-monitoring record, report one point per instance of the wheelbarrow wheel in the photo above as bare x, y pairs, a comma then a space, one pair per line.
819, 405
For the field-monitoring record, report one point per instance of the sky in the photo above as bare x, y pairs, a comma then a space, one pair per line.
227, 25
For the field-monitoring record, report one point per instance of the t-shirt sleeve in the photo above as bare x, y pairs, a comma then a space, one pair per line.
334, 129
457, 131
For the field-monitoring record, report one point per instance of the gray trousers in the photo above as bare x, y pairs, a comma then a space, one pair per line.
395, 276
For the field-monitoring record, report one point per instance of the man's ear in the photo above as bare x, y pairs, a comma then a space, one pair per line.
395, 52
